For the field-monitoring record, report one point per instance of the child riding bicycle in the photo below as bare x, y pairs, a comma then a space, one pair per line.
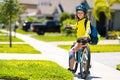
82, 33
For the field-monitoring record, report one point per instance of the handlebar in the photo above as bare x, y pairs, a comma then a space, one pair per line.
83, 41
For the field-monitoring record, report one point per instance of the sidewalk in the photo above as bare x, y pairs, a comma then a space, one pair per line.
50, 52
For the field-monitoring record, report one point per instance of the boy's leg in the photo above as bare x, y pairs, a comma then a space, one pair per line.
72, 53
71, 59
72, 63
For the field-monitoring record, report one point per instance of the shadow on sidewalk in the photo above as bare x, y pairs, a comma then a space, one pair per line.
88, 78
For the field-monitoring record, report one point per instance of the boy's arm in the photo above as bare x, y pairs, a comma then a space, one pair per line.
74, 26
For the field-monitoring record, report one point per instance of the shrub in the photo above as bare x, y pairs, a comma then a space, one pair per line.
118, 67
64, 16
113, 34
70, 21
33, 70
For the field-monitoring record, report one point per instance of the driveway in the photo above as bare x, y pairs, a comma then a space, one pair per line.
99, 71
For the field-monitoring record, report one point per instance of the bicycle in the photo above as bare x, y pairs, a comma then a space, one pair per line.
84, 60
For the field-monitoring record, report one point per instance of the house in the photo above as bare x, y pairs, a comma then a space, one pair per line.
49, 8
31, 7
53, 8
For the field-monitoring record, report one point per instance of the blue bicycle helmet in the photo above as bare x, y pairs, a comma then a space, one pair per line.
81, 7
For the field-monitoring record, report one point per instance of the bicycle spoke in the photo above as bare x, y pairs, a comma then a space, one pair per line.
85, 57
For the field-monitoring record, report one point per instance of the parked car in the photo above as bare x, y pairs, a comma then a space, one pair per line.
26, 25
33, 26
47, 26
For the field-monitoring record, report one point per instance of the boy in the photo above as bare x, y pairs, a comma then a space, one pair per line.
82, 33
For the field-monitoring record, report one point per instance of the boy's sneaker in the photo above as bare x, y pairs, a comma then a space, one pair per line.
71, 70
79, 73
84, 72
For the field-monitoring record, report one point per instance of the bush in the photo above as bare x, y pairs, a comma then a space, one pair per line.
70, 21
118, 67
29, 19
64, 16
113, 34
33, 70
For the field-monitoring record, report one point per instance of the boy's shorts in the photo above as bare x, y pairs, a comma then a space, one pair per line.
82, 41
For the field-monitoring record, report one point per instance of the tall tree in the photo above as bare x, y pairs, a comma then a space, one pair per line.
103, 6
10, 8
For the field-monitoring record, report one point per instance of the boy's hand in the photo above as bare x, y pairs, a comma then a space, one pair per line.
85, 38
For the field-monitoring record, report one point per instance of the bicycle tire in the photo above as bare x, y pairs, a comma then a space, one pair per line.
85, 55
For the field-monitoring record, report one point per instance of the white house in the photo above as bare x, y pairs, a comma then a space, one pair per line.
53, 8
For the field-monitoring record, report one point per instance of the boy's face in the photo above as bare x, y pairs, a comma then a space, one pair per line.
80, 14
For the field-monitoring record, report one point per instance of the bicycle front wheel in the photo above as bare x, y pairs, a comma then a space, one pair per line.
85, 62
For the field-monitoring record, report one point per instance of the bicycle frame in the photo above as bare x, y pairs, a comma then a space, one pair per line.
80, 53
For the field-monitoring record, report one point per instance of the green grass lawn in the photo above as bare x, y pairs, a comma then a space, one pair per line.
97, 48
18, 48
4, 37
7, 39
19, 30
51, 37
33, 70
118, 67
55, 38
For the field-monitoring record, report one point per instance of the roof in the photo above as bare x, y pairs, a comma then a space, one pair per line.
69, 6
29, 1
115, 6
51, 5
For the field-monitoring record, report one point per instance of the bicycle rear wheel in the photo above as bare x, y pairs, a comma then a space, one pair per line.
85, 62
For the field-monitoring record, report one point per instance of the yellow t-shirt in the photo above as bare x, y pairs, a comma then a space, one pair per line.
80, 26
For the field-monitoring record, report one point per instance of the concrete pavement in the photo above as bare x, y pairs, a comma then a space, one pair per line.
99, 71
109, 59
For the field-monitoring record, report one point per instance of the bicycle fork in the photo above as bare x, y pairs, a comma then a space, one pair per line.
79, 56
82, 57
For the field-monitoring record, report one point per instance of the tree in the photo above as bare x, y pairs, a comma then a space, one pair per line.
64, 16
103, 6
10, 8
